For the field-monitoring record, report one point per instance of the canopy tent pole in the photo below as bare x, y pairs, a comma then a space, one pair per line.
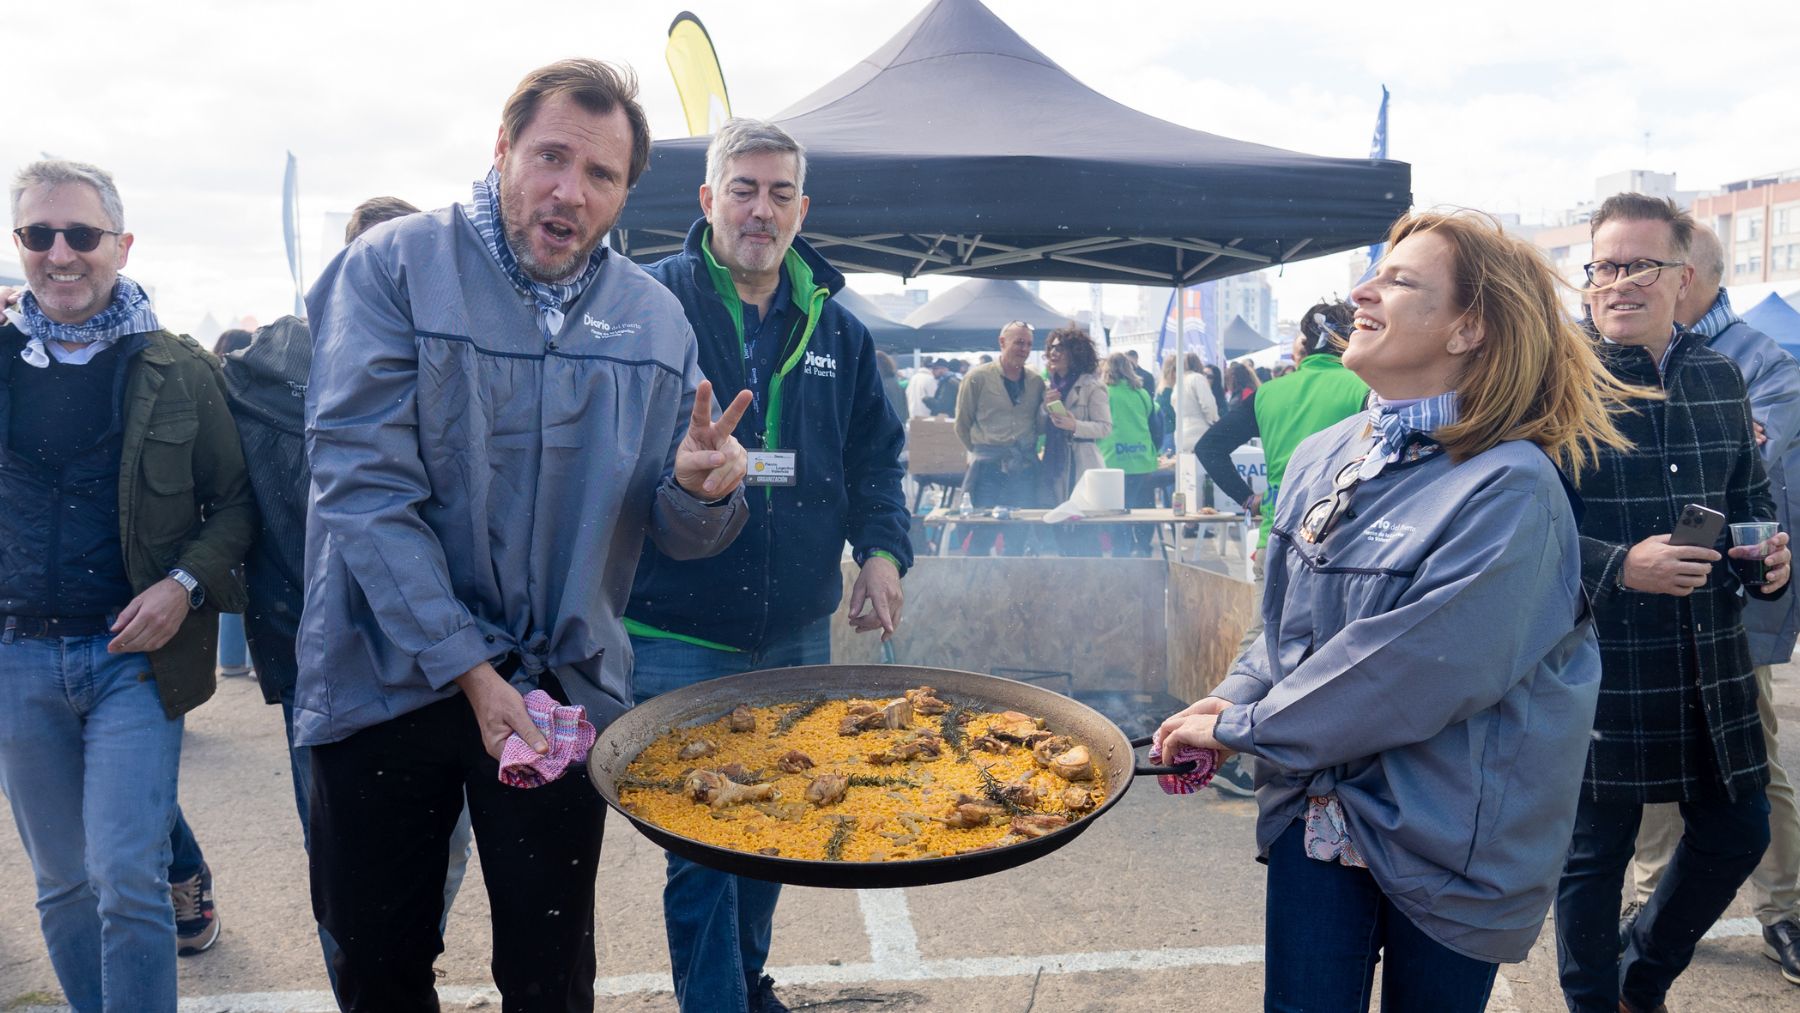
1175, 399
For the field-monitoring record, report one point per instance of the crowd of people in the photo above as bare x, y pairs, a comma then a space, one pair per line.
502, 484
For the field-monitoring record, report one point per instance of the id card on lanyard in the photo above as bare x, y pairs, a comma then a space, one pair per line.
771, 467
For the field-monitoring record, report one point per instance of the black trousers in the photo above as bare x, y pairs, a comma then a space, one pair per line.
384, 802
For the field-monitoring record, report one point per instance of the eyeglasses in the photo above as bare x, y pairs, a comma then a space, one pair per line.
1642, 272
81, 238
1316, 522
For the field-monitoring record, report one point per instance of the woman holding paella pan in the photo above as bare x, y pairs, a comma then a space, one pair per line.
1420, 703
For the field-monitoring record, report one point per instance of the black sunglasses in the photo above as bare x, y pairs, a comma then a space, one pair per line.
81, 238
1316, 522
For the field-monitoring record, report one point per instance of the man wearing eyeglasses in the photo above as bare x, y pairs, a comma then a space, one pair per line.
1677, 719
124, 506
1773, 379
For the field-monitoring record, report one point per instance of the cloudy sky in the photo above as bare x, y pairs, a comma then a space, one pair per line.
1509, 107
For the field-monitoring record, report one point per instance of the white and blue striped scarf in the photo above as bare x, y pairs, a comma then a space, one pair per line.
1719, 317
129, 313
1393, 425
551, 297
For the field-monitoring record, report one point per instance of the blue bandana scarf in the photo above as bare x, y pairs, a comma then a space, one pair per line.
1392, 426
128, 313
551, 297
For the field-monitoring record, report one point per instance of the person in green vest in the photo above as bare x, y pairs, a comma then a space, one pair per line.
1130, 448
1318, 394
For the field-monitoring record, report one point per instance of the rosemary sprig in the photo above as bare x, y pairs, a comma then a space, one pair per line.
795, 715
834, 848
952, 727
878, 781
990, 786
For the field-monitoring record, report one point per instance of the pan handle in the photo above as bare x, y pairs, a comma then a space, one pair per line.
1145, 771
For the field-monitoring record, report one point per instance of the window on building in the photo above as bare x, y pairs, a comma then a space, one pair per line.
1787, 221
1749, 226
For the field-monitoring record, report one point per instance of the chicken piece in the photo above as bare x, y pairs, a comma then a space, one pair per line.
1014, 727
852, 721
987, 743
968, 813
925, 701
1077, 799
897, 714
1074, 765
920, 745
696, 749
1021, 792
827, 789
1050, 747
793, 762
719, 791
1037, 824
771, 852
738, 772
741, 719
1036, 738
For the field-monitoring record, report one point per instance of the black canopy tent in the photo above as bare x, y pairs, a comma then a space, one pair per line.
890, 335
1240, 339
970, 315
959, 148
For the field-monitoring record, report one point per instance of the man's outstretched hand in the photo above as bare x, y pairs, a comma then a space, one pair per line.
710, 462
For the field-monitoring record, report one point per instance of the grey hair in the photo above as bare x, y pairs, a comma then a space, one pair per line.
744, 136
1707, 254
59, 171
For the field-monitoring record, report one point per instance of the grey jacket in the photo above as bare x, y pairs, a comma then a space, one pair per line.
479, 491
1430, 663
1772, 378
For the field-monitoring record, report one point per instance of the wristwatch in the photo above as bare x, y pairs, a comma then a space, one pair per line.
196, 593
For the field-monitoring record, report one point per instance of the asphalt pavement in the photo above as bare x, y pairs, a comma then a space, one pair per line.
1158, 905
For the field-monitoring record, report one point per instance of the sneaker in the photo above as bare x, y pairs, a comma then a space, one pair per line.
1781, 943
196, 923
1233, 779
763, 998
1628, 918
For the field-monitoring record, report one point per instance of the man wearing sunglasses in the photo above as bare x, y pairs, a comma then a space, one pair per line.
124, 505
1677, 719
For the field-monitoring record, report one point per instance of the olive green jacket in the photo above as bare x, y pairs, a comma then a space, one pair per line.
184, 501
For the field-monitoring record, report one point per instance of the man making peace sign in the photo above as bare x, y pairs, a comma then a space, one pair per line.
500, 413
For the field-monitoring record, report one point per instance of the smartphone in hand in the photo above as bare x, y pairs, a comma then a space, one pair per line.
1697, 526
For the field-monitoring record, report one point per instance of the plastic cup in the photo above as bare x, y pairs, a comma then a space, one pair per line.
1752, 572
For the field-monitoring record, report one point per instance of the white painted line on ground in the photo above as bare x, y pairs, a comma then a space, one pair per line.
864, 972
893, 942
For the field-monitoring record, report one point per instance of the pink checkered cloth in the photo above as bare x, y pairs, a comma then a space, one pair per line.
570, 738
1205, 761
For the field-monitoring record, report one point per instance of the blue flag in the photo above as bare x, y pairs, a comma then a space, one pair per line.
290, 228
1378, 148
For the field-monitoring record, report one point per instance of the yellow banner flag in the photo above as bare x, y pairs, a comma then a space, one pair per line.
698, 79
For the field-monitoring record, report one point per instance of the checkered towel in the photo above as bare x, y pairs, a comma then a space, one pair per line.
570, 738
1205, 761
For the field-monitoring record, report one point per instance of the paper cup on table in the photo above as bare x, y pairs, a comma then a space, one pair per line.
1752, 572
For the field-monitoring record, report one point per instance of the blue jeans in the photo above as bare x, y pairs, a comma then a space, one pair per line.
89, 763
1721, 842
1328, 925
234, 650
718, 924
185, 858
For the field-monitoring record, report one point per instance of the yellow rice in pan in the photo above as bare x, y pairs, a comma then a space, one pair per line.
651, 788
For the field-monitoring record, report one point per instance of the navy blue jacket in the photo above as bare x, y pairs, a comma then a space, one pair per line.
827, 404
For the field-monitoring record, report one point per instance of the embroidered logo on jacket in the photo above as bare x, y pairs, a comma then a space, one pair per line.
820, 365
1385, 531
604, 329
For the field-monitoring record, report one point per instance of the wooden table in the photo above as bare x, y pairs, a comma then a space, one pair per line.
942, 517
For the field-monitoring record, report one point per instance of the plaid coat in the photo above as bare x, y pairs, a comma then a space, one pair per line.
1677, 713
